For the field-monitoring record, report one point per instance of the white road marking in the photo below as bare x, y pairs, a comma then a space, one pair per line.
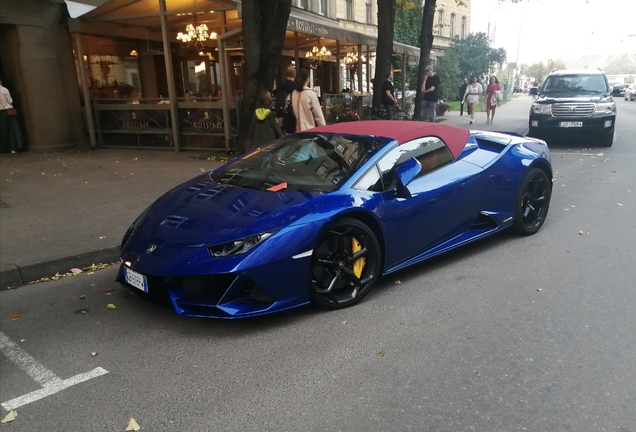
50, 382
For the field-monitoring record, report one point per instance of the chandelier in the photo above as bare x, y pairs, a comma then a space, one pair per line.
352, 58
317, 54
196, 34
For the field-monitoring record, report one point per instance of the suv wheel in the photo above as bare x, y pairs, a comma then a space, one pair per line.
606, 140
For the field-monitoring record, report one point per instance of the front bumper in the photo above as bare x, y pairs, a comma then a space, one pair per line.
597, 126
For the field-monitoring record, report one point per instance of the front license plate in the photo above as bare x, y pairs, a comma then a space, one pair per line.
136, 279
571, 124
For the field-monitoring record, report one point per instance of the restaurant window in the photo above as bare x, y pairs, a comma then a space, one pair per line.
440, 22
463, 35
112, 66
322, 7
452, 26
369, 10
350, 12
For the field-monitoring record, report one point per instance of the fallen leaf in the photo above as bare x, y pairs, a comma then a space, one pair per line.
581, 233
82, 297
381, 353
345, 322
22, 340
539, 289
108, 290
83, 312
94, 353
573, 206
619, 204
11, 416
110, 306
90, 273
397, 282
566, 209
109, 294
76, 271
133, 425
102, 237
15, 317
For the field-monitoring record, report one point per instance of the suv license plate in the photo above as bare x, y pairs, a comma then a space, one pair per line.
571, 124
136, 279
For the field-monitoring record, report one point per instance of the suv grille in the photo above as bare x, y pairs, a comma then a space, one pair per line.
573, 110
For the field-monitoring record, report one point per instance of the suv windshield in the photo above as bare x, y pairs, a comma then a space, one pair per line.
306, 162
575, 84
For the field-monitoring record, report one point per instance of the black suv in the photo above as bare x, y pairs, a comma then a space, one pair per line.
572, 104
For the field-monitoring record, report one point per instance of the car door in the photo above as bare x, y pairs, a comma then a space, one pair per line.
442, 203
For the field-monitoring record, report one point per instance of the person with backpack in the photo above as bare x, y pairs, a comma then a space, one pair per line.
305, 104
282, 92
266, 127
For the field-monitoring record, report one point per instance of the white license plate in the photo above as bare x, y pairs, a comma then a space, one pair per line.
136, 279
571, 124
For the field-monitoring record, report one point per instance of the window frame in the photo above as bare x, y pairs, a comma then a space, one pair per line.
350, 10
452, 25
369, 11
463, 30
417, 144
302, 4
440, 22
322, 7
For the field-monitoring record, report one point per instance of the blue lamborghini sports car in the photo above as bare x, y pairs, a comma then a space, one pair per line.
317, 217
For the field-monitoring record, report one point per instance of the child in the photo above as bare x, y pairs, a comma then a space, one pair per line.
266, 127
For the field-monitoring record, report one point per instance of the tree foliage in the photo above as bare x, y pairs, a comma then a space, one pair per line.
450, 75
264, 26
408, 22
537, 71
475, 56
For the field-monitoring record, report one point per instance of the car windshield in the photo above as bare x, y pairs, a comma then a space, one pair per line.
578, 83
302, 162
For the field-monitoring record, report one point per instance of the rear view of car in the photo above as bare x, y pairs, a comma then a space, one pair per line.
630, 92
574, 104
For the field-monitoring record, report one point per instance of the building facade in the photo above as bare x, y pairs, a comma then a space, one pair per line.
121, 75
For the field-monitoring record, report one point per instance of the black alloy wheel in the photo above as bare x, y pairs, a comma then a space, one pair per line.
345, 263
533, 202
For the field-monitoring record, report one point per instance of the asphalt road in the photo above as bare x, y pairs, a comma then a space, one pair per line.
535, 334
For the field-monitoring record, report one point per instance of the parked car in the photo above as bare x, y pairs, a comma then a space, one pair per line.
630, 92
619, 89
574, 104
317, 217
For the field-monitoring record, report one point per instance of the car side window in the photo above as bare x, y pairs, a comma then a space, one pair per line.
431, 152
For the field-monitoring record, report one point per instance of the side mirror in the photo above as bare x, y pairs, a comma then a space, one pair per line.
534, 90
406, 172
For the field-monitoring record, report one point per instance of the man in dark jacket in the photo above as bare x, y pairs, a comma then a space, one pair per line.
462, 93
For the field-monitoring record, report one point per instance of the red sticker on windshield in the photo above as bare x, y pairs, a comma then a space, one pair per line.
278, 187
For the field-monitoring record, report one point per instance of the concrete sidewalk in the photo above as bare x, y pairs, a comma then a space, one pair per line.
71, 209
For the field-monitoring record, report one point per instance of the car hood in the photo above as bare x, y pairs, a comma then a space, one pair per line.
202, 212
570, 98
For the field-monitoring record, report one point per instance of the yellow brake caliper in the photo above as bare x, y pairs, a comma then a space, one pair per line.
358, 265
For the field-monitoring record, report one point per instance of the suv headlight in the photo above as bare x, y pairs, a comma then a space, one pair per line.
606, 107
538, 108
238, 246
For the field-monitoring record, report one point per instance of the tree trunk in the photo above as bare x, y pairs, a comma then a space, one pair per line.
384, 53
426, 43
264, 26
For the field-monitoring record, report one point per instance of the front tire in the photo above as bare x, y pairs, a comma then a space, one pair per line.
345, 264
533, 201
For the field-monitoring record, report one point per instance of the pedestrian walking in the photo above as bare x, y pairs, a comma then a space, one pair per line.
266, 127
493, 98
462, 98
11, 138
472, 95
305, 103
283, 91
388, 99
430, 88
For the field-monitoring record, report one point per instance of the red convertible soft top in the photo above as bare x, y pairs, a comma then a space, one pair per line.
401, 131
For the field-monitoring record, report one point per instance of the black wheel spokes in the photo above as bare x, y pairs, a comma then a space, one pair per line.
533, 203
335, 262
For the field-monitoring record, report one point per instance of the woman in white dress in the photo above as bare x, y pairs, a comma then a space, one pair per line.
472, 95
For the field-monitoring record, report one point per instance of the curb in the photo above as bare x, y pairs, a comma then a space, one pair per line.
14, 276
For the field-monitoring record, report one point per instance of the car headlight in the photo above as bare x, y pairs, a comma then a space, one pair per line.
238, 246
606, 107
538, 108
